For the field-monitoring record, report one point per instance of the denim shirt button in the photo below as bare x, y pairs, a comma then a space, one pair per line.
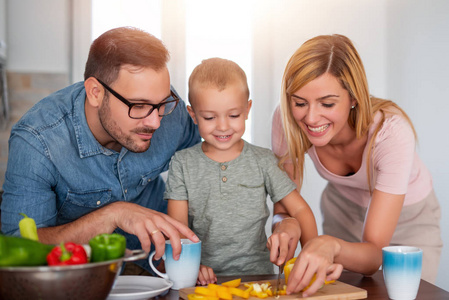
98, 202
126, 191
149, 179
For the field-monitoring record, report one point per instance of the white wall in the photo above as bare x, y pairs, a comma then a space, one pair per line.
2, 26
38, 36
404, 45
418, 80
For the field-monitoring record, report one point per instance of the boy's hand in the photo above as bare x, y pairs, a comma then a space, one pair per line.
206, 275
284, 240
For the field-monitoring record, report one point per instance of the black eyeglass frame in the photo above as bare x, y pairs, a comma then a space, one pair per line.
153, 106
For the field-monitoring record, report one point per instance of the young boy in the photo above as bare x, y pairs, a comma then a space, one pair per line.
219, 187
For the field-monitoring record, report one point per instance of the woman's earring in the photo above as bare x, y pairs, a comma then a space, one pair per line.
352, 107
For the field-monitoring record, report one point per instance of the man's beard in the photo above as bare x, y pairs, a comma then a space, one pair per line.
114, 130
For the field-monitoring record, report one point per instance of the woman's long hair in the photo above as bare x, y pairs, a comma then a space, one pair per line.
336, 55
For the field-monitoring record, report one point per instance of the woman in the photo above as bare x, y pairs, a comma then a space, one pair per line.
379, 192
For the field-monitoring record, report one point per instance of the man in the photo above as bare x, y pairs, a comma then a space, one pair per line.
87, 159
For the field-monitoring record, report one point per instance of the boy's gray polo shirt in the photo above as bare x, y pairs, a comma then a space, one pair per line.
227, 205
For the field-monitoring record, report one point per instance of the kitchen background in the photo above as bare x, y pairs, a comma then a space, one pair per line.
404, 45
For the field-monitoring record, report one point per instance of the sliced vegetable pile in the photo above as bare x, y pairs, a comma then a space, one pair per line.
228, 289
28, 251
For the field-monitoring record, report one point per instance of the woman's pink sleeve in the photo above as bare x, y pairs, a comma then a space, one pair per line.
393, 155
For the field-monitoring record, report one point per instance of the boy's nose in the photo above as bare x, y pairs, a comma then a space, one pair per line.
152, 120
222, 124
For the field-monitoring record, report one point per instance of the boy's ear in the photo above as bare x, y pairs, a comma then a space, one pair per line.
192, 114
248, 109
94, 92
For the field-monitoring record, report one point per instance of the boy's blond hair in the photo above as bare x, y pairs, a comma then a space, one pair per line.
216, 73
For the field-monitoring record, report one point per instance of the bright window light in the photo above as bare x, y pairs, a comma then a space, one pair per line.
211, 29
217, 30
143, 14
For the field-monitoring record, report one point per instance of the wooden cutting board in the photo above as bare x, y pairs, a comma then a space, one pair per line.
336, 290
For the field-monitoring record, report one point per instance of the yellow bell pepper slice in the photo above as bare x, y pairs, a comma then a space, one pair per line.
232, 283
205, 291
239, 293
200, 297
223, 293
212, 286
288, 268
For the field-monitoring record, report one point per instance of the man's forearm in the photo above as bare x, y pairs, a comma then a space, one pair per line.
82, 229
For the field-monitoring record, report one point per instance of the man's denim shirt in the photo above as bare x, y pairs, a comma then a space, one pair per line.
57, 171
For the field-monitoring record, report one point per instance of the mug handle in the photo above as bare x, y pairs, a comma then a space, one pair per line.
150, 261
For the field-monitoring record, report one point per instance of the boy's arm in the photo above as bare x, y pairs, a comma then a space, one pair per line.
298, 208
179, 210
293, 220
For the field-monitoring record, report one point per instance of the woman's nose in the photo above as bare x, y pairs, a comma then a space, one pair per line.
312, 115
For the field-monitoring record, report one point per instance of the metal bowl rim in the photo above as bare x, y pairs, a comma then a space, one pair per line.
130, 255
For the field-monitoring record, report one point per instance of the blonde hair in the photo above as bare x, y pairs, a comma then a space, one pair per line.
336, 55
217, 73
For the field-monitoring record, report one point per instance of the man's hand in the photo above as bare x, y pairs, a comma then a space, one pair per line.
151, 227
284, 240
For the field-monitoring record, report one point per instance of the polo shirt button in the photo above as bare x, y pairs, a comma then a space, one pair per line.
98, 202
224, 179
223, 167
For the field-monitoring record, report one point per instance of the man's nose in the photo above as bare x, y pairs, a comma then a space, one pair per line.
152, 120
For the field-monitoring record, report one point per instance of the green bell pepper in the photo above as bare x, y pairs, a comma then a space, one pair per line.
16, 251
107, 246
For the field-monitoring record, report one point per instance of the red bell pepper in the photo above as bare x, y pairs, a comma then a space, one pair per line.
67, 254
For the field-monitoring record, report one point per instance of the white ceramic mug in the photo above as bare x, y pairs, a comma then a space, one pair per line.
401, 266
183, 272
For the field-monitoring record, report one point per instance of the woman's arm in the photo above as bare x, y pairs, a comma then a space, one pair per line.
322, 253
380, 224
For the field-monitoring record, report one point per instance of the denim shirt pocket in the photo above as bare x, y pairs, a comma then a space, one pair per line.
79, 203
149, 177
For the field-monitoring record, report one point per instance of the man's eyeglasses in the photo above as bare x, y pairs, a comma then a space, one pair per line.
143, 110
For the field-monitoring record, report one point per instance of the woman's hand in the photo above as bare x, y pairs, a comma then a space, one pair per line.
206, 275
284, 240
317, 257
